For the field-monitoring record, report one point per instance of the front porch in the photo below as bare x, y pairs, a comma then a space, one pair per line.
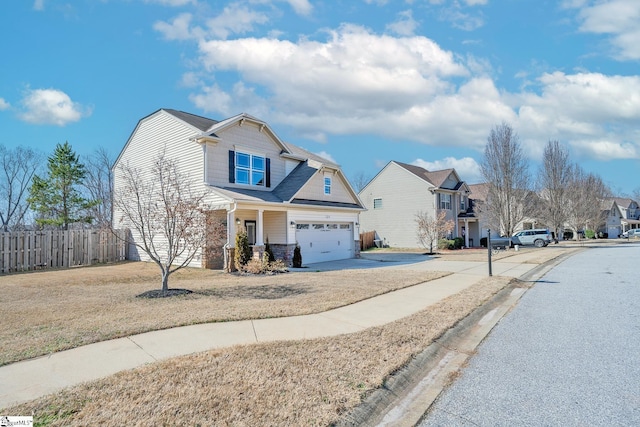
322, 235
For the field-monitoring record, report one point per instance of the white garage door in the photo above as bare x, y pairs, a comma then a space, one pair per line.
321, 242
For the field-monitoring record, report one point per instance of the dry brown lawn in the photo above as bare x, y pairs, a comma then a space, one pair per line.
56, 310
311, 383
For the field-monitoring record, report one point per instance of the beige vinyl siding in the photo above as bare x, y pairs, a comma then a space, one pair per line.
402, 196
314, 189
162, 131
244, 138
275, 227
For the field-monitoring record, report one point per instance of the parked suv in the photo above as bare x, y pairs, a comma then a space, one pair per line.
634, 232
539, 237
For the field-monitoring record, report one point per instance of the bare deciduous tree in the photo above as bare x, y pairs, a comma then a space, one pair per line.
553, 177
99, 184
584, 202
359, 180
430, 230
506, 173
19, 165
169, 216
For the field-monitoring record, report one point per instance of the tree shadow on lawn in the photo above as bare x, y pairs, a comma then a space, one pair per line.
256, 292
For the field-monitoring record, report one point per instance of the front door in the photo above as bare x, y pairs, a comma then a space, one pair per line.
251, 231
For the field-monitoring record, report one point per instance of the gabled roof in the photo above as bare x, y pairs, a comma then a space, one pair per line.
293, 182
435, 178
621, 201
199, 122
479, 191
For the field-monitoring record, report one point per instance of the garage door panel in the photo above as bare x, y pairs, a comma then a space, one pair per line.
324, 242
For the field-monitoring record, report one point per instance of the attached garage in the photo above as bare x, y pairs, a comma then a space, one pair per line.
320, 242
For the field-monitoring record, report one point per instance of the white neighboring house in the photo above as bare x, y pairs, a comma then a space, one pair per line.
622, 215
399, 191
277, 191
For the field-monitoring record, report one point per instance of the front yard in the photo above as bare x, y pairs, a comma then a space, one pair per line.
49, 311
310, 382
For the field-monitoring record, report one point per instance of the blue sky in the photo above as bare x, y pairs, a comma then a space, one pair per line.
360, 81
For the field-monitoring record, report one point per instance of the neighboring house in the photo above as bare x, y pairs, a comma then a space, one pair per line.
621, 215
253, 179
400, 191
478, 197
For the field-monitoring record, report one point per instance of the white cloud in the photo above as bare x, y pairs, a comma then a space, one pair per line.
405, 25
592, 111
619, 19
179, 28
467, 168
51, 107
4, 105
235, 19
605, 149
38, 5
359, 82
356, 82
301, 7
327, 156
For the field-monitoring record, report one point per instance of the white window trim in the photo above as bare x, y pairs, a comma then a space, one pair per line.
324, 181
250, 169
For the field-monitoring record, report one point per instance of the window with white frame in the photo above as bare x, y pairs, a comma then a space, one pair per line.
327, 185
445, 201
377, 203
250, 169
463, 205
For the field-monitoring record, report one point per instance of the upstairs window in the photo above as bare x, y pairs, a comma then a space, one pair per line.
463, 206
445, 201
249, 169
327, 185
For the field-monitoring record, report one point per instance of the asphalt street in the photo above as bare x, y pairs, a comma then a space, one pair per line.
567, 355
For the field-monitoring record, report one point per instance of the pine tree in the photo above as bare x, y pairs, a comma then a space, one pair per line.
56, 198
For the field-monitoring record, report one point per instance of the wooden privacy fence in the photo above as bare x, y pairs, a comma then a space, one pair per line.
367, 240
31, 250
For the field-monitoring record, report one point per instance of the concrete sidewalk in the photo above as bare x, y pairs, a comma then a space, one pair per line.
30, 379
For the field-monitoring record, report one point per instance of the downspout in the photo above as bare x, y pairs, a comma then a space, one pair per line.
226, 245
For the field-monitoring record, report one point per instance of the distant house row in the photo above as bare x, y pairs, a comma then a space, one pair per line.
283, 194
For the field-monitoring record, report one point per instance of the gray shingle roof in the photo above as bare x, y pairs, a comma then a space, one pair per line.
435, 178
293, 182
199, 122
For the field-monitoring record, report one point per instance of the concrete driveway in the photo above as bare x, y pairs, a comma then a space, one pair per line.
367, 261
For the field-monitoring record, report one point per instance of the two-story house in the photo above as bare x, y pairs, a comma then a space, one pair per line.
621, 215
253, 179
400, 191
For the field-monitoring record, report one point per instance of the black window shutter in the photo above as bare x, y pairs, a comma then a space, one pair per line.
267, 172
232, 166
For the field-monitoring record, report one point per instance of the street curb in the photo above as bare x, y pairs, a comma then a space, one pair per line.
406, 396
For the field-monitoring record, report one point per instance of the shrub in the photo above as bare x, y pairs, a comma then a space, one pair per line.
589, 234
264, 266
443, 244
243, 251
268, 251
297, 257
483, 242
458, 242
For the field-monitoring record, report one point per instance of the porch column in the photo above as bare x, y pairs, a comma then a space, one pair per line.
231, 229
466, 233
260, 229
